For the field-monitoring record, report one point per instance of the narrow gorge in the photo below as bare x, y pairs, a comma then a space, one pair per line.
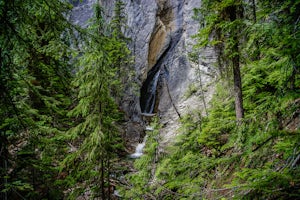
163, 41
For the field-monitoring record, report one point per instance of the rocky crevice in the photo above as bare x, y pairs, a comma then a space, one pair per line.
165, 37
161, 34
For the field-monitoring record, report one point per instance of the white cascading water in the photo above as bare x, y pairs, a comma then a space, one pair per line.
148, 92
139, 149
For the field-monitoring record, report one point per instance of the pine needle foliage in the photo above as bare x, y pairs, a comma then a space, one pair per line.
34, 79
96, 114
222, 27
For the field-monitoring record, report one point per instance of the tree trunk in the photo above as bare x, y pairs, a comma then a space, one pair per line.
235, 14
201, 87
254, 10
239, 109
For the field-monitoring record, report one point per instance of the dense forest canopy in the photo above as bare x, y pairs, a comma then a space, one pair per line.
61, 124
35, 93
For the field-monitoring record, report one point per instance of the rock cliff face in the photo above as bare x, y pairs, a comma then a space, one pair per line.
161, 33
82, 11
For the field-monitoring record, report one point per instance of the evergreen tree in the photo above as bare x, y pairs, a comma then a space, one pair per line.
222, 28
34, 87
96, 113
121, 61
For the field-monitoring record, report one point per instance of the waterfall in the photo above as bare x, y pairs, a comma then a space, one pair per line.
148, 89
139, 149
148, 92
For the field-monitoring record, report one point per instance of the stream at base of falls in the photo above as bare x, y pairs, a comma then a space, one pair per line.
137, 154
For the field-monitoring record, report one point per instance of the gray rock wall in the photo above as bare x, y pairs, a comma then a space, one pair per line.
153, 25
82, 11
161, 33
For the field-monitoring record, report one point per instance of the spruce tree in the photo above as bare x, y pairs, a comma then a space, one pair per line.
96, 112
34, 88
222, 27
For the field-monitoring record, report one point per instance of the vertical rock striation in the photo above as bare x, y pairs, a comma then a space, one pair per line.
161, 38
167, 67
